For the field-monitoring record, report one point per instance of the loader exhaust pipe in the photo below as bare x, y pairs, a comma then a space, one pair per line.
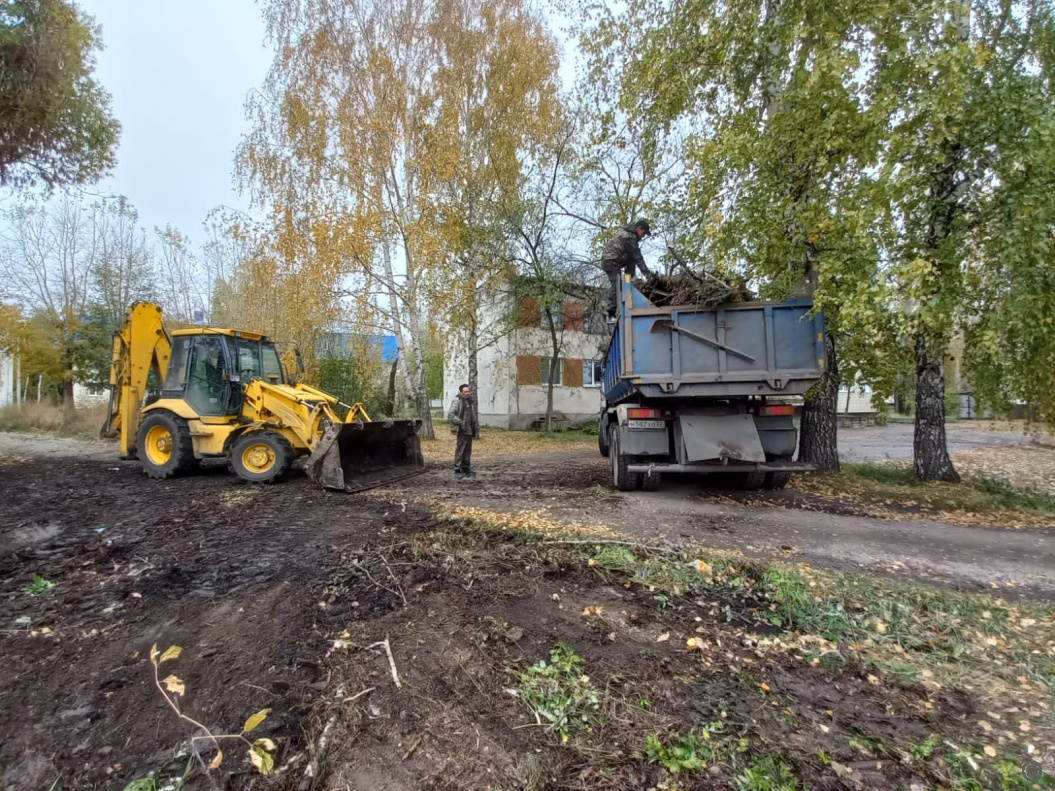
353, 457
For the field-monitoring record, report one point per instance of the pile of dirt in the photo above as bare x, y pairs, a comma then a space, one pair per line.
699, 291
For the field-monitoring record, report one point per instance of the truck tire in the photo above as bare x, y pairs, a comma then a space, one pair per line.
622, 478
602, 435
778, 479
649, 481
164, 445
751, 481
261, 456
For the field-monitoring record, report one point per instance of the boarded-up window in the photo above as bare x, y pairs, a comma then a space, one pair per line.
529, 371
573, 316
529, 314
572, 372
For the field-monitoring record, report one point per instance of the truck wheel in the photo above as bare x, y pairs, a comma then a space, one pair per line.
164, 445
261, 456
751, 481
602, 435
622, 478
649, 481
778, 479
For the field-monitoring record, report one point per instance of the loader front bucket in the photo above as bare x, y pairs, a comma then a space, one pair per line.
352, 457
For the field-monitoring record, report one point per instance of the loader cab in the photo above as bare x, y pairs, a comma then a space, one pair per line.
207, 369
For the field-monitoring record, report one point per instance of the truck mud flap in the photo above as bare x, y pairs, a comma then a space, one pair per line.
354, 457
705, 437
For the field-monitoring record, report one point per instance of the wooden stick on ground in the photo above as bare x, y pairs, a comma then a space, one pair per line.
413, 747
391, 660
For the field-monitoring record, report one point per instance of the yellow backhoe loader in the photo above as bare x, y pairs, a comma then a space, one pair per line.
177, 398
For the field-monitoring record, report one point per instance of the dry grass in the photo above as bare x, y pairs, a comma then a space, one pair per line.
84, 422
495, 442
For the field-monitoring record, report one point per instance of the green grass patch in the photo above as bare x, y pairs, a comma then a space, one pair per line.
680, 753
38, 586
560, 435
768, 773
560, 694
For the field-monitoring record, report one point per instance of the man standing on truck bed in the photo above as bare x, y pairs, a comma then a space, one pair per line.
462, 416
622, 251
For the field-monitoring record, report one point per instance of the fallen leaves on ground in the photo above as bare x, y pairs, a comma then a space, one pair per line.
1021, 466
495, 442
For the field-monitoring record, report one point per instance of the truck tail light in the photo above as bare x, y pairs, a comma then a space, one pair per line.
642, 414
785, 409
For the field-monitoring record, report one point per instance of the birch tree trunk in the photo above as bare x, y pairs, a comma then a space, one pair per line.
818, 438
474, 375
930, 453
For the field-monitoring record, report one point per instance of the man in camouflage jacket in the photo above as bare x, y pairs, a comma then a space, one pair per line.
622, 252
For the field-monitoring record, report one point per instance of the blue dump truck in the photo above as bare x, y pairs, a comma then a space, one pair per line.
704, 390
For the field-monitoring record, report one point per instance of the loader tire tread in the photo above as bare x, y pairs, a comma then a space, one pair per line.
182, 459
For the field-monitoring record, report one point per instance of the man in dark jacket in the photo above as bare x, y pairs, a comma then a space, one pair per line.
622, 252
462, 416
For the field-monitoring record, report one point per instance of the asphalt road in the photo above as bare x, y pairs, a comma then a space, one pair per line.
894, 441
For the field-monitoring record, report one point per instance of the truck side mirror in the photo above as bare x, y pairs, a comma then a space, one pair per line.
300, 360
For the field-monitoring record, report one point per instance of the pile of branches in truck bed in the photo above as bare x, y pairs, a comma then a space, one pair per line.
700, 291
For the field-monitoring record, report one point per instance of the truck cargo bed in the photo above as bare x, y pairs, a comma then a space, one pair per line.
731, 351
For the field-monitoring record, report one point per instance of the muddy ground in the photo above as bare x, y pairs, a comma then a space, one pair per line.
278, 596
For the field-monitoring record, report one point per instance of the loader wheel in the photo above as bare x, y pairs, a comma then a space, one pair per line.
164, 445
622, 478
261, 456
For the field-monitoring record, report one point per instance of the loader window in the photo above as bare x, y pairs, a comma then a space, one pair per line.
208, 372
255, 360
176, 375
271, 368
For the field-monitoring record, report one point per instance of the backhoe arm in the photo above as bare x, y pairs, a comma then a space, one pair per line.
140, 346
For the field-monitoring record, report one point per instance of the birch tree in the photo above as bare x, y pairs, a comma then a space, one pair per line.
388, 118
46, 257
335, 146
497, 111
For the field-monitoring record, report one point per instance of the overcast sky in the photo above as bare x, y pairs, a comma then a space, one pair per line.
179, 73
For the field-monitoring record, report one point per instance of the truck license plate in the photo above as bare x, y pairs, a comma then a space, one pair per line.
646, 424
